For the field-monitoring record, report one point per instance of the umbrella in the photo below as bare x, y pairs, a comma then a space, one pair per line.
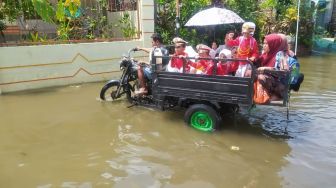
214, 16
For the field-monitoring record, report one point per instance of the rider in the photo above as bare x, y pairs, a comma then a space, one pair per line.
145, 71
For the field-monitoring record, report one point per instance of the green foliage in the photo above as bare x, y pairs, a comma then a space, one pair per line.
277, 16
97, 22
64, 16
73, 9
306, 28
10, 10
60, 12
68, 16
2, 26
34, 36
45, 10
320, 32
165, 21
269, 15
250, 10
107, 31
126, 26
247, 9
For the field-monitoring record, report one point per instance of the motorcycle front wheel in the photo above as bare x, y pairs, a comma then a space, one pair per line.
109, 91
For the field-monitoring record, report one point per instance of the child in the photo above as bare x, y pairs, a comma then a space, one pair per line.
177, 61
224, 68
201, 66
247, 49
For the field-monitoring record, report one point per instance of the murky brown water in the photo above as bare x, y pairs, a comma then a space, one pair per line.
65, 137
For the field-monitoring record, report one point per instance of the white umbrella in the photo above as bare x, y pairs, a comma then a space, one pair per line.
214, 16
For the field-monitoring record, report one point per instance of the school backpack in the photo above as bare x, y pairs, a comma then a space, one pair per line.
296, 77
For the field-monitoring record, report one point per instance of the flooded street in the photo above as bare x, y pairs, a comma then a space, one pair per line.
66, 137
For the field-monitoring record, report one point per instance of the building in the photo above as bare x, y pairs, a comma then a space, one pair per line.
333, 19
325, 15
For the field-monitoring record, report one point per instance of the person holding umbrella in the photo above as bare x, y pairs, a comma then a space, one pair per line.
247, 49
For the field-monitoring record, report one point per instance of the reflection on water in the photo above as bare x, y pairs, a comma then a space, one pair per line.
66, 137
312, 162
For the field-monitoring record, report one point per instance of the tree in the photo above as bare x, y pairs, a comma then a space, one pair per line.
165, 19
269, 15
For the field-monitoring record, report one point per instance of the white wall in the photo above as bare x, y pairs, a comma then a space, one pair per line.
32, 67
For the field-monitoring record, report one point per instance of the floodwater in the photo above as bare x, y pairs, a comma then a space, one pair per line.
66, 137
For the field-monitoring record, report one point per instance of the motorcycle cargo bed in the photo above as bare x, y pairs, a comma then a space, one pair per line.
224, 89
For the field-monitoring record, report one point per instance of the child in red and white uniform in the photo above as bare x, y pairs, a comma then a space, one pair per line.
201, 66
224, 68
247, 49
176, 62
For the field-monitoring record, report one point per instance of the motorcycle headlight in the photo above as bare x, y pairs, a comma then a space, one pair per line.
122, 65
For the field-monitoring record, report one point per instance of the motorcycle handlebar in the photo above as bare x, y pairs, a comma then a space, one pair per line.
132, 50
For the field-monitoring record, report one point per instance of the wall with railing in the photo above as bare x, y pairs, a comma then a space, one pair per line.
66, 62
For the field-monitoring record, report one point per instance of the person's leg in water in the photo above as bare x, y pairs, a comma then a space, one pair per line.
147, 71
142, 82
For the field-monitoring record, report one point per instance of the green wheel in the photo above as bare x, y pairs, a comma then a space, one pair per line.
202, 117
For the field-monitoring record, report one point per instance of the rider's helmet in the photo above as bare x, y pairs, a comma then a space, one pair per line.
248, 27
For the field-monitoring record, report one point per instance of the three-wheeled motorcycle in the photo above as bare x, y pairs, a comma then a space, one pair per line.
204, 97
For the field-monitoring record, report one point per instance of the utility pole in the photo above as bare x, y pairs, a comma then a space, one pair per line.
297, 26
177, 19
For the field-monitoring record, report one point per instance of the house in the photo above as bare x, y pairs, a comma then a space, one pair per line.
333, 19
325, 15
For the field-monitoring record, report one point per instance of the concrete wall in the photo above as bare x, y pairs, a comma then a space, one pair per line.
32, 67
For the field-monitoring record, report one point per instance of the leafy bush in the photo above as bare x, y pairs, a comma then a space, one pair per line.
269, 15
65, 16
2, 26
165, 20
126, 26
